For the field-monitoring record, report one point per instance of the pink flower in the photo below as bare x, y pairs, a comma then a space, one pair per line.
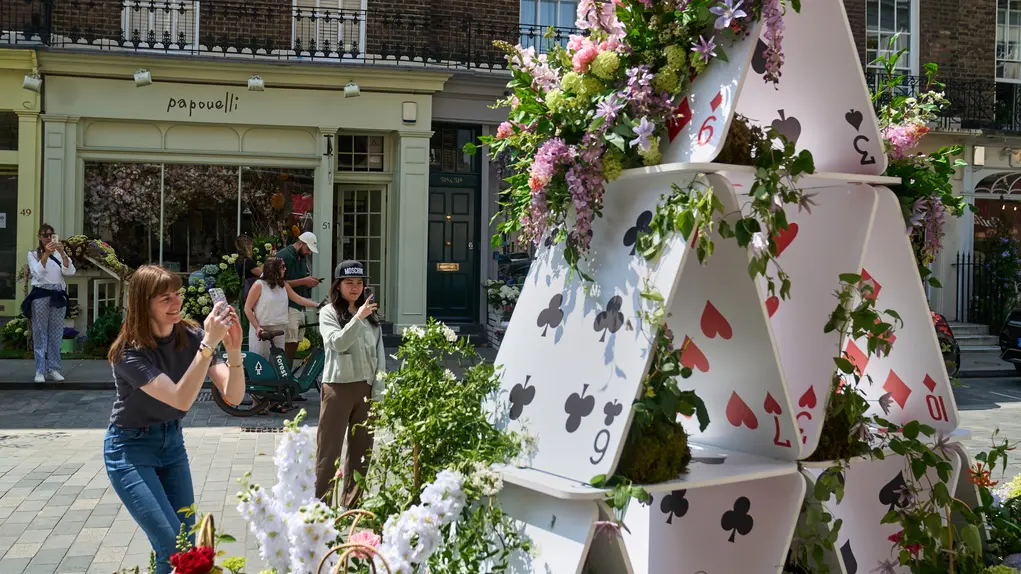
583, 58
366, 538
576, 42
504, 131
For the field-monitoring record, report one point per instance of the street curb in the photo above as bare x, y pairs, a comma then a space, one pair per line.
990, 374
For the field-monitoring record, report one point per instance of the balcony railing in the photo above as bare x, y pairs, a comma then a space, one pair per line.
266, 29
974, 104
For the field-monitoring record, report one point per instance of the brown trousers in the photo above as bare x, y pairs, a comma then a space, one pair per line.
343, 407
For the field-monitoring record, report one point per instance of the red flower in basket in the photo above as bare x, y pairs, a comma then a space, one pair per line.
198, 560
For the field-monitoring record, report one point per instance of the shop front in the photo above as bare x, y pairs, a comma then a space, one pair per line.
171, 173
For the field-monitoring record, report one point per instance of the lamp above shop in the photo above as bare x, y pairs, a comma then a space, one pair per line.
32, 83
255, 84
351, 90
142, 78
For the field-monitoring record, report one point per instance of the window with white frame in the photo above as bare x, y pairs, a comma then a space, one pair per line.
361, 153
538, 15
886, 19
163, 24
329, 26
1008, 40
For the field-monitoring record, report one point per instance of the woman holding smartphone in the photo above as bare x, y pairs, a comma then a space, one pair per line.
354, 356
46, 304
159, 363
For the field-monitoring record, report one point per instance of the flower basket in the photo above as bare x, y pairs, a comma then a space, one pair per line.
349, 551
66, 346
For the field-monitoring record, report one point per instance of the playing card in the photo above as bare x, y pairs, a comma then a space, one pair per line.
743, 527
720, 323
704, 114
833, 119
574, 354
560, 530
814, 250
911, 383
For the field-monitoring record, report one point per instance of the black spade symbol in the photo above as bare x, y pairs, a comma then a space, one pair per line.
648, 502
738, 521
850, 562
578, 407
855, 118
552, 315
641, 226
890, 495
611, 319
759, 58
612, 410
674, 504
788, 127
520, 397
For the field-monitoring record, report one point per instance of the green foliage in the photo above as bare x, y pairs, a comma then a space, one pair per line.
1001, 260
17, 334
104, 330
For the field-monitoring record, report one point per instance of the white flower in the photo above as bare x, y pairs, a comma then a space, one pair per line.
449, 334
380, 376
448, 375
268, 246
206, 309
223, 266
413, 332
486, 480
759, 243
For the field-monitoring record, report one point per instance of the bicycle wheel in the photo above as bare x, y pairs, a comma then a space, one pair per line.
256, 406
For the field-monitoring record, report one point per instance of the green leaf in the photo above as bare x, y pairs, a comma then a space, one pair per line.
972, 538
598, 481
850, 278
470, 148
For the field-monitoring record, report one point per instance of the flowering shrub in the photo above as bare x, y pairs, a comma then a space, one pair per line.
502, 297
196, 302
17, 335
79, 247
581, 115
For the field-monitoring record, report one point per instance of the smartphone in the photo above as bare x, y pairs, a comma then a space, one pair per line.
56, 238
371, 295
217, 295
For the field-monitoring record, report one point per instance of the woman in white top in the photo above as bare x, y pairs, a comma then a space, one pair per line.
266, 306
46, 304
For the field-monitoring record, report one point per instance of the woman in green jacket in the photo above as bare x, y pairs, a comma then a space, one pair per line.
353, 341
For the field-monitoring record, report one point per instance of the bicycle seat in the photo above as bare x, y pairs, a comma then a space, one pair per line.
268, 335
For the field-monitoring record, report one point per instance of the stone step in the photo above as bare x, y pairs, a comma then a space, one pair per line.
995, 349
976, 340
960, 329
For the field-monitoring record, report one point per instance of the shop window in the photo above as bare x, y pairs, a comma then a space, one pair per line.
8, 131
446, 150
360, 153
276, 204
10, 259
161, 24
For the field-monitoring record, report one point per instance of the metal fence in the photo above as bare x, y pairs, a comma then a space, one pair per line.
974, 104
981, 298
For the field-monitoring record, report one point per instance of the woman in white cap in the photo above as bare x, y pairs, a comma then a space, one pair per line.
354, 357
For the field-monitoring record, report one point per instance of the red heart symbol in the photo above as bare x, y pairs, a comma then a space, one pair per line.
772, 407
772, 304
739, 414
808, 400
784, 238
714, 323
692, 357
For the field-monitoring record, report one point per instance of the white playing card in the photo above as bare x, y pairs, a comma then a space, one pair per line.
560, 530
744, 527
721, 321
912, 381
816, 248
822, 96
574, 354
704, 114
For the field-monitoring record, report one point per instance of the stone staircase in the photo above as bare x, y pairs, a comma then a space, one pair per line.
974, 338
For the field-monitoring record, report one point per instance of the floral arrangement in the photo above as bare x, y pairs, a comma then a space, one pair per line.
502, 297
79, 247
581, 115
17, 334
196, 302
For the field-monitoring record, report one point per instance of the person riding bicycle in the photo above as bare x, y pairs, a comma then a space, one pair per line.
266, 306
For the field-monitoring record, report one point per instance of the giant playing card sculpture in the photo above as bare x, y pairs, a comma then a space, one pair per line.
576, 350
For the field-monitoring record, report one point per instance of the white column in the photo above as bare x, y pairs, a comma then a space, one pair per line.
323, 209
62, 206
413, 229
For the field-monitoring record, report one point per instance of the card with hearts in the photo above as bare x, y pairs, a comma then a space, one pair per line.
740, 527
911, 383
721, 326
574, 355
560, 530
834, 119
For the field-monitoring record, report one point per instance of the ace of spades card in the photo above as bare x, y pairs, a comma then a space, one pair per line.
740, 527
822, 102
574, 355
704, 114
910, 383
814, 250
719, 321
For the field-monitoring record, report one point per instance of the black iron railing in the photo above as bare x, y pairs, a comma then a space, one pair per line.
267, 29
981, 297
974, 104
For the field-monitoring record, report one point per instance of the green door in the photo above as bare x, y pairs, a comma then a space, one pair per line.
453, 270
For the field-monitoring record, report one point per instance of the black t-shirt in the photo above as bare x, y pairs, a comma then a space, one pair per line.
134, 408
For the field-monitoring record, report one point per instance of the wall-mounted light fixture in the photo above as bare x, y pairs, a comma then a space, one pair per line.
409, 112
351, 90
142, 78
255, 84
32, 83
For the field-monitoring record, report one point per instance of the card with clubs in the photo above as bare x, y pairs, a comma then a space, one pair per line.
910, 383
740, 527
574, 355
560, 530
720, 323
704, 114
834, 118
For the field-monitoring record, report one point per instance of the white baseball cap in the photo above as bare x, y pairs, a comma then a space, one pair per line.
309, 238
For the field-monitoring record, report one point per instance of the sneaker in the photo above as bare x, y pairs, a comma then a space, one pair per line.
56, 376
39, 378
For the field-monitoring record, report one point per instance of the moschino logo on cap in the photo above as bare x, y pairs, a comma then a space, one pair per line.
354, 271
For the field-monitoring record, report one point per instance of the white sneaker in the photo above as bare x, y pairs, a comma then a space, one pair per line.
56, 376
39, 378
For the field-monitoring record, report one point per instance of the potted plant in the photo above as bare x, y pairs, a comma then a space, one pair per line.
67, 343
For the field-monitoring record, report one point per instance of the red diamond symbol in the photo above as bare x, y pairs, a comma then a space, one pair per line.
897, 389
866, 278
929, 383
717, 101
857, 358
682, 115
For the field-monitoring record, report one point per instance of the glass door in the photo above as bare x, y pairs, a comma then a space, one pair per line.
360, 233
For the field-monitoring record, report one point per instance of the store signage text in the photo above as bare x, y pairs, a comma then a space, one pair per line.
452, 180
227, 104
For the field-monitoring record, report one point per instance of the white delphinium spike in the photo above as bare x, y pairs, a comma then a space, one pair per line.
311, 534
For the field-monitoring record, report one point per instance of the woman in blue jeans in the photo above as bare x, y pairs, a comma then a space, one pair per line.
159, 363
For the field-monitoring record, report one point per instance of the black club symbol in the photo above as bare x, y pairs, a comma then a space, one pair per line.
611, 319
641, 226
552, 315
648, 502
578, 407
520, 397
674, 505
612, 410
738, 521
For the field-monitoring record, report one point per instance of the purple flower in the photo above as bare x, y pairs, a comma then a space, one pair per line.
705, 48
608, 108
726, 13
643, 130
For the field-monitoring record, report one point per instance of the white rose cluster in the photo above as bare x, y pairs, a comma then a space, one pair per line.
486, 480
413, 332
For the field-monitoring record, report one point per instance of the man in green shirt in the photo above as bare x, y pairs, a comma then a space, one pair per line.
298, 262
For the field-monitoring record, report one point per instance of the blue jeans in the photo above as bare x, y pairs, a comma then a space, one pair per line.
148, 468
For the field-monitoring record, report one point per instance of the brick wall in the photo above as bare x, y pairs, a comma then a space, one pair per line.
856, 17
87, 21
265, 25
959, 36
